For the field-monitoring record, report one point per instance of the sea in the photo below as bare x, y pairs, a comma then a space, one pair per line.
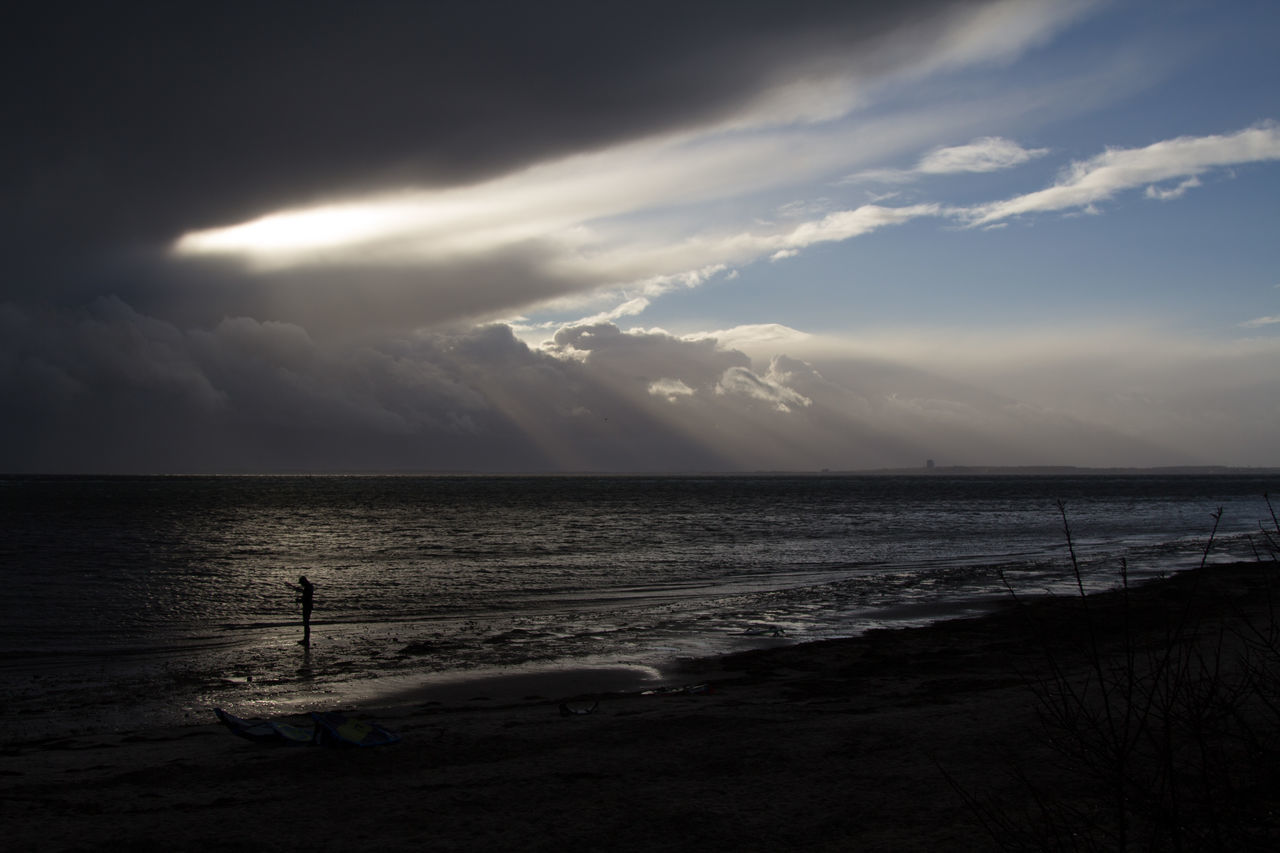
133, 602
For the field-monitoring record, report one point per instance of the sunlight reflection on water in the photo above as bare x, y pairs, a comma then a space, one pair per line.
173, 592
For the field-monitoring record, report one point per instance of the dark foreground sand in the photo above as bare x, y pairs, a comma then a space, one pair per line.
840, 745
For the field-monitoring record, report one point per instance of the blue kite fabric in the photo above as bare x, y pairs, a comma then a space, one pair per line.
330, 729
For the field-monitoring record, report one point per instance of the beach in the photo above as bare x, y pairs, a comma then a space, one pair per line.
919, 738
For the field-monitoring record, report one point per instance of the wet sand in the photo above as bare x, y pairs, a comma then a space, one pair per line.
902, 739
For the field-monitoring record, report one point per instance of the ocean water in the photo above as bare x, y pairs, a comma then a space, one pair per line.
132, 601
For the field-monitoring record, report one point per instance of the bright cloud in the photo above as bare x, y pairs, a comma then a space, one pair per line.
742, 381
756, 338
988, 154
1170, 193
670, 389
567, 211
1095, 180
630, 308
576, 218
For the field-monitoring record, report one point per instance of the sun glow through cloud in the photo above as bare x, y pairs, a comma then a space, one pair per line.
300, 231
800, 131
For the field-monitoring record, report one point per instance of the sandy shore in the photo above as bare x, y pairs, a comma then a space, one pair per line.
838, 745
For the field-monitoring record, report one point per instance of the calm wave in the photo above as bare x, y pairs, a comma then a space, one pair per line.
160, 595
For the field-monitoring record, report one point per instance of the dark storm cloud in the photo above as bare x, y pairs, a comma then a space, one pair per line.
109, 389
128, 123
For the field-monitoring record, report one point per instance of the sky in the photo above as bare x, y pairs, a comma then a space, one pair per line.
639, 237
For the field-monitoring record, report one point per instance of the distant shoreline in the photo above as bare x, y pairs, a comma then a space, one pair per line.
920, 471
1071, 470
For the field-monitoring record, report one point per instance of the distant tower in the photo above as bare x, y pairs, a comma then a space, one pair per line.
928, 463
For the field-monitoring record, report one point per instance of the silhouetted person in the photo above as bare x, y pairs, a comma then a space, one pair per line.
308, 590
